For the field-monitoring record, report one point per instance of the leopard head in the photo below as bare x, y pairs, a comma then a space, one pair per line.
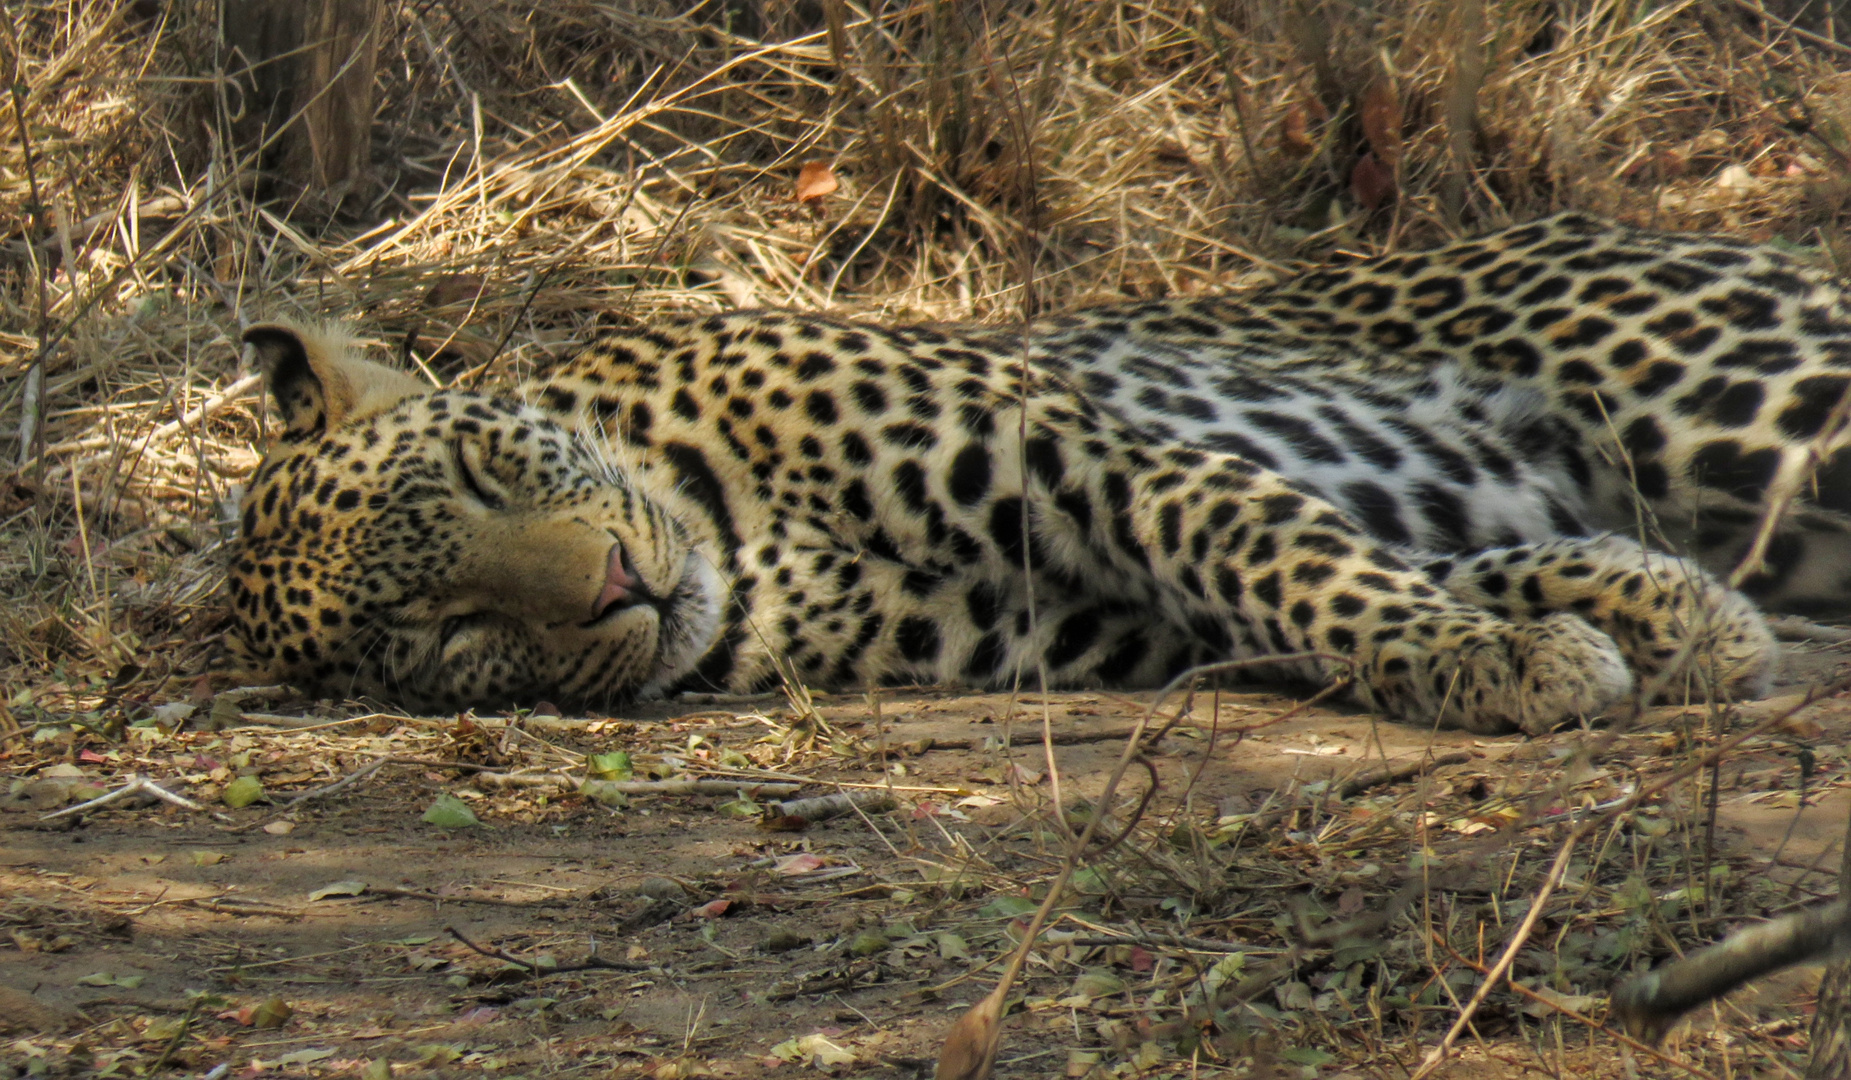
443, 548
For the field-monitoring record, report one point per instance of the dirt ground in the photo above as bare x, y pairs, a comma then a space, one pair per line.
346, 935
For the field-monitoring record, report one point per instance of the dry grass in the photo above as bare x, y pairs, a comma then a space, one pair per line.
543, 171
546, 169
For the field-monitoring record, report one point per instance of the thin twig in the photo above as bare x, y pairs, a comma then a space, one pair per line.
594, 962
1541, 900
137, 785
351, 778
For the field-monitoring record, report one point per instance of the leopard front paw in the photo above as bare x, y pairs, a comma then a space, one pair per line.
1495, 677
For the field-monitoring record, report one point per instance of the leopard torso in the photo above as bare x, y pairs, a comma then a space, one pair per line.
1395, 470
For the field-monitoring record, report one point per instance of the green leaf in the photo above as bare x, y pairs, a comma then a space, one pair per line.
867, 943
605, 792
612, 766
450, 812
271, 1014
742, 808
1307, 1055
1008, 907
1097, 983
243, 791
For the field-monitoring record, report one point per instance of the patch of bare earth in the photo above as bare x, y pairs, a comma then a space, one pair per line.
1308, 890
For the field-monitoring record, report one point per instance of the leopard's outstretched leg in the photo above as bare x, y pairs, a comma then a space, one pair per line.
1682, 631
1290, 573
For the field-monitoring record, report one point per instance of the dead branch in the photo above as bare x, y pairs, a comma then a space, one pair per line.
824, 807
1578, 1017
435, 898
137, 785
751, 789
351, 778
1648, 1005
1395, 774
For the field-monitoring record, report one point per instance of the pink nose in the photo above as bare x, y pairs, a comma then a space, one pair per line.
619, 582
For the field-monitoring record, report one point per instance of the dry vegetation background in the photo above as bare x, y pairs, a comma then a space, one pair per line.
543, 169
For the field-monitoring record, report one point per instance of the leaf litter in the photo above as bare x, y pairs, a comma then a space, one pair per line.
1256, 912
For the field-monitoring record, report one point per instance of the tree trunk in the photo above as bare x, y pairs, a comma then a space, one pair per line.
306, 69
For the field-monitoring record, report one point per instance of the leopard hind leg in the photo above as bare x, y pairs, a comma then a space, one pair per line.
1683, 632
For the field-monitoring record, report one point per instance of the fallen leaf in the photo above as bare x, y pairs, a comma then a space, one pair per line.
436, 1054
280, 828
606, 793
814, 1050
1382, 121
208, 858
271, 1014
712, 909
1007, 907
868, 943
305, 1056
615, 765
174, 713
241, 792
815, 181
792, 865
1736, 178
1371, 182
450, 812
350, 888
454, 289
1294, 138
1096, 984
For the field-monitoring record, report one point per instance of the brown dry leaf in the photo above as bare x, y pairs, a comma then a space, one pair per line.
815, 181
970, 1046
1382, 121
454, 289
1294, 133
1371, 182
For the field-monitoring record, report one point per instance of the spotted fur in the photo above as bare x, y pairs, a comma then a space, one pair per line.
1397, 469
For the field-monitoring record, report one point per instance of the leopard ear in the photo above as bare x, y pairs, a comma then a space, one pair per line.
319, 381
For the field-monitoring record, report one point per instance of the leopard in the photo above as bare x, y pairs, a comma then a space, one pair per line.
1498, 485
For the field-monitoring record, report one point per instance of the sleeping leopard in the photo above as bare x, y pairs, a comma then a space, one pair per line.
1453, 478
